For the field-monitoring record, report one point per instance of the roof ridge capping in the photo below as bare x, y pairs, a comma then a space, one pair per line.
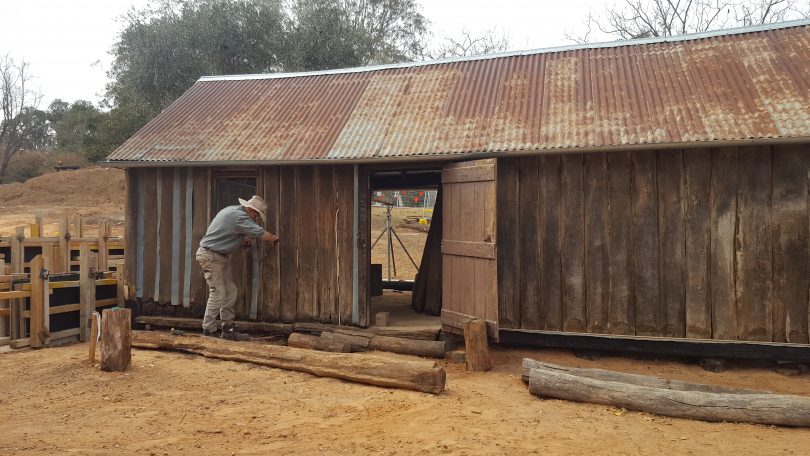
605, 44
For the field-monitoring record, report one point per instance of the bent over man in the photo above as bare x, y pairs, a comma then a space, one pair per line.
232, 227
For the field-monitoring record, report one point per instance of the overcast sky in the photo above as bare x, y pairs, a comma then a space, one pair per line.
67, 42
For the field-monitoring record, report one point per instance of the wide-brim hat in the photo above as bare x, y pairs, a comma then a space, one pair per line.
256, 203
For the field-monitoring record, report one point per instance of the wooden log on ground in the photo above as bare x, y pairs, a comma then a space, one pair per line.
634, 379
418, 375
310, 342
476, 345
428, 348
116, 340
355, 342
771, 409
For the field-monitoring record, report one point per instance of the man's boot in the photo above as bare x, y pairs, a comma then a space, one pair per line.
229, 333
214, 333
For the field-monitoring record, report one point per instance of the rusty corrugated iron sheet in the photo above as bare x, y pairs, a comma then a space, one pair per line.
742, 85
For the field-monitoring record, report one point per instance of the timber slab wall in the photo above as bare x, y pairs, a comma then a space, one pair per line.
702, 244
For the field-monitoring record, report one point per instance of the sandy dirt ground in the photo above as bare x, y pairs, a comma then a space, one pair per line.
55, 402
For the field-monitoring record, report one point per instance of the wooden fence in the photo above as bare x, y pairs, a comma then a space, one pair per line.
50, 286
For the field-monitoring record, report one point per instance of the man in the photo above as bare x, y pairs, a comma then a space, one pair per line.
232, 228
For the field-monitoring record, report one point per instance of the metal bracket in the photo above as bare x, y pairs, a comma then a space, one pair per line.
44, 274
92, 272
67, 236
99, 275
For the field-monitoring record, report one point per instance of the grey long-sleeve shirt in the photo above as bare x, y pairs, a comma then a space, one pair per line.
229, 229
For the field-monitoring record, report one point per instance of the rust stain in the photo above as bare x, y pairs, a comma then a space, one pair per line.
747, 85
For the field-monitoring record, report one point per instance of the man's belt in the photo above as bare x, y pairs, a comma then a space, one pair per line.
212, 250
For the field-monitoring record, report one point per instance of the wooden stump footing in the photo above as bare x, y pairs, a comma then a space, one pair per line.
116, 340
477, 345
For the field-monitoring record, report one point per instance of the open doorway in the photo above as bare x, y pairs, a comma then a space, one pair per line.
403, 218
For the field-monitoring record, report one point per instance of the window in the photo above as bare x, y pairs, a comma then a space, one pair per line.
229, 187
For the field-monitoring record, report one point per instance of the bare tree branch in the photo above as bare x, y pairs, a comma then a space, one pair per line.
469, 44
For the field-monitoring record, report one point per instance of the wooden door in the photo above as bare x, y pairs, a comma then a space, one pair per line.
469, 265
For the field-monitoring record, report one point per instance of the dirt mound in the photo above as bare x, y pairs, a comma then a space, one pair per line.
83, 187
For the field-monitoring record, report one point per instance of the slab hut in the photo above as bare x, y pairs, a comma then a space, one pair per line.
655, 189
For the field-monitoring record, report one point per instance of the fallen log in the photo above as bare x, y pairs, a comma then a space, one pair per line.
418, 375
774, 409
427, 348
309, 342
356, 342
634, 379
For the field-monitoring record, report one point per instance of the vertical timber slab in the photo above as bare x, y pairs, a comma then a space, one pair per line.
200, 214
620, 253
270, 309
344, 186
697, 236
188, 225
672, 244
508, 242
62, 260
167, 222
573, 243
597, 272
131, 229
87, 290
550, 267
17, 251
723, 224
364, 246
433, 260
141, 245
147, 268
530, 292
791, 244
158, 232
326, 271
103, 250
306, 307
37, 302
177, 221
645, 244
753, 252
288, 244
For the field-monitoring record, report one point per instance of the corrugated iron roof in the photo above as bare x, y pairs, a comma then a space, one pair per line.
733, 85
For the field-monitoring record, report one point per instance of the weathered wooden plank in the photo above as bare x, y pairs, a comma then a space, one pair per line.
307, 304
87, 290
199, 289
17, 250
469, 249
672, 243
697, 236
791, 244
148, 182
485, 172
288, 241
327, 238
188, 236
271, 274
754, 256
167, 222
131, 229
508, 242
572, 248
177, 246
433, 261
723, 223
645, 244
364, 246
550, 266
597, 272
344, 184
620, 254
529, 285
38, 302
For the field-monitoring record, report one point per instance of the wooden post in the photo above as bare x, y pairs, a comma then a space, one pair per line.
120, 277
116, 340
103, 252
93, 337
87, 289
17, 257
477, 346
62, 260
40, 227
4, 303
38, 330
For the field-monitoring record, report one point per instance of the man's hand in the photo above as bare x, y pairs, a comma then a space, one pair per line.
270, 237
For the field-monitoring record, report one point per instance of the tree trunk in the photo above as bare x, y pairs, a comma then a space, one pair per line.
428, 348
426, 376
309, 342
116, 340
693, 404
634, 379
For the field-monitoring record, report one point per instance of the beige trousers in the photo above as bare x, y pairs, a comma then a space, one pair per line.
221, 289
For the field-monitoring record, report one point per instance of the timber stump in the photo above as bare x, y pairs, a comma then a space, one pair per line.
116, 340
